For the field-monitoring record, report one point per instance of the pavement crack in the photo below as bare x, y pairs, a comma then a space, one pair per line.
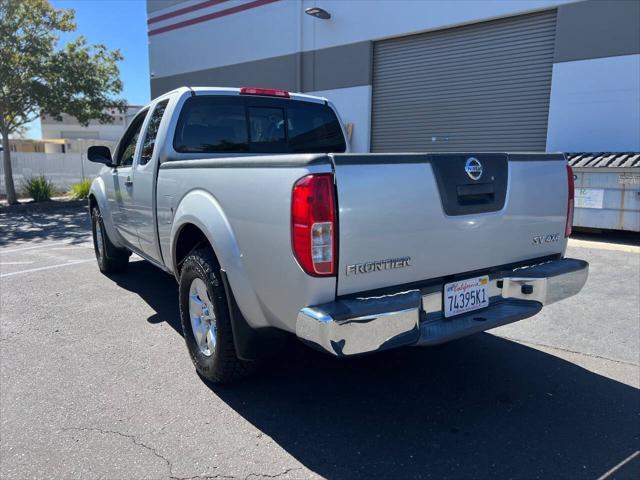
266, 475
133, 438
203, 477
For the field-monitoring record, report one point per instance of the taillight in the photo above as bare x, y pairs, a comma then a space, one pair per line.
570, 200
267, 92
313, 224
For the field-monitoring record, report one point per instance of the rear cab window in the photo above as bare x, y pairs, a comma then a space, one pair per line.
239, 124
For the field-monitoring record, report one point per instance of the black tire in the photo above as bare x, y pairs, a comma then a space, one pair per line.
222, 365
110, 258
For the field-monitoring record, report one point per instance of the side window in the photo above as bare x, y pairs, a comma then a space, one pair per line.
152, 131
127, 146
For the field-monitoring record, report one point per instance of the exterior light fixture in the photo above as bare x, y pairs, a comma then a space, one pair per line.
318, 13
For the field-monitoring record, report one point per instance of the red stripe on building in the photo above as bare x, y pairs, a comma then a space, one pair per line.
182, 11
212, 16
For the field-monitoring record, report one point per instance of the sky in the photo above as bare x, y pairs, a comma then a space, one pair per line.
119, 24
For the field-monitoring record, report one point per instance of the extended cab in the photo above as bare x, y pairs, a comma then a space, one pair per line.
250, 198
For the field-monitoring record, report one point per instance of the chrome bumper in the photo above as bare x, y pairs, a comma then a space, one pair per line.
359, 325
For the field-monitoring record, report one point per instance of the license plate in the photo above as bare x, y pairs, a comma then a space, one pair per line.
466, 295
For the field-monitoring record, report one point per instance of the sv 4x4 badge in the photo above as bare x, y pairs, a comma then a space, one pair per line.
541, 239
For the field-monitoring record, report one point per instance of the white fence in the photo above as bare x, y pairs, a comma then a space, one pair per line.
63, 169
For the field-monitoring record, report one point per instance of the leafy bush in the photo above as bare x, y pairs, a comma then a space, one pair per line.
80, 190
39, 188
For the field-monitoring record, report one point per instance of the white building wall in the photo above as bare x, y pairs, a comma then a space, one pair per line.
69, 128
233, 39
356, 21
282, 28
595, 105
97, 131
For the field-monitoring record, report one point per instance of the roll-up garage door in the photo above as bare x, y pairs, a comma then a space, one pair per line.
480, 87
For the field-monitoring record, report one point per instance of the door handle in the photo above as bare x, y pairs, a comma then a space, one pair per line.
128, 182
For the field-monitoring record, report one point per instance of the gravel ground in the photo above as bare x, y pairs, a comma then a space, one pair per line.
95, 382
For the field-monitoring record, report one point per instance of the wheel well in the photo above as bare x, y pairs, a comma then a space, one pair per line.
189, 238
92, 202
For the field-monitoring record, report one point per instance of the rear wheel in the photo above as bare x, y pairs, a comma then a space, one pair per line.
110, 258
205, 320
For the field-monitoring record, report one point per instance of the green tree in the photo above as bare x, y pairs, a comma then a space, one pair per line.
36, 76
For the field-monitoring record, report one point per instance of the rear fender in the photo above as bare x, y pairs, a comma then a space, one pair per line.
202, 210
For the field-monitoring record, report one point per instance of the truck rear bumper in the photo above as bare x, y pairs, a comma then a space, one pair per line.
352, 326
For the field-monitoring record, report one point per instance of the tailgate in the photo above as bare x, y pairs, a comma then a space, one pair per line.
410, 217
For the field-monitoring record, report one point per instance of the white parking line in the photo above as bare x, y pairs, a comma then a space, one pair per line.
619, 466
48, 245
14, 263
80, 245
75, 262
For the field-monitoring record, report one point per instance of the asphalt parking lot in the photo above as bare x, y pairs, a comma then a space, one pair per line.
95, 382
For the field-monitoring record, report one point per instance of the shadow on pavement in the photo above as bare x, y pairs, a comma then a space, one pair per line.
157, 288
70, 224
606, 236
482, 407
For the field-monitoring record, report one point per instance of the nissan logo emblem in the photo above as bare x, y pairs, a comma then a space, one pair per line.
473, 167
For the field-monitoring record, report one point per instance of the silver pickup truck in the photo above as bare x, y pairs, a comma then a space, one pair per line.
251, 199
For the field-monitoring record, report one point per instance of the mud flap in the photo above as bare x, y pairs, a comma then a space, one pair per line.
251, 343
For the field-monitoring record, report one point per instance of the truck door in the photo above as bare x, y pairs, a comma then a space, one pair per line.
121, 189
144, 192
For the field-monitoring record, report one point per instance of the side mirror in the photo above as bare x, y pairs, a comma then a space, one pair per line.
100, 154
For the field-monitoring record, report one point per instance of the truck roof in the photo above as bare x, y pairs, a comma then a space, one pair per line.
236, 91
